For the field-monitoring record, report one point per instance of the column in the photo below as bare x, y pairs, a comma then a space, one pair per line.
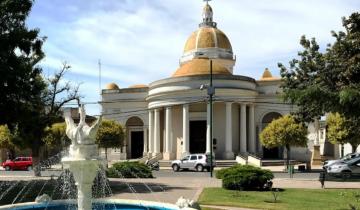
185, 148
208, 141
229, 154
168, 155
145, 141
243, 148
151, 132
156, 132
252, 140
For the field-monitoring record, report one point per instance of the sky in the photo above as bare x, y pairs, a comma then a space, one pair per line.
141, 41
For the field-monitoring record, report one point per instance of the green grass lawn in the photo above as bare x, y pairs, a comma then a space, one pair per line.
299, 199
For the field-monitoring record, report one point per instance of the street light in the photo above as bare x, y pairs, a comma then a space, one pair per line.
210, 91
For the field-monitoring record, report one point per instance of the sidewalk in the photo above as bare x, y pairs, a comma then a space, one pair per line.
224, 207
271, 168
169, 189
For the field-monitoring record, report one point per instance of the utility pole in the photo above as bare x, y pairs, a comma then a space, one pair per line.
99, 63
100, 91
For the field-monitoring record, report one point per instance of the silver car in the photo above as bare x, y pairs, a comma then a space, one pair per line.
345, 169
347, 157
199, 162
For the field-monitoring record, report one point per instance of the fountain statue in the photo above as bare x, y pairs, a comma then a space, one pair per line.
83, 160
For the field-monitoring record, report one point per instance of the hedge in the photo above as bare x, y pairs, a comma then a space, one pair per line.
129, 170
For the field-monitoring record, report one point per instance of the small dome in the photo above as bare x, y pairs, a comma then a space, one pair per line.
207, 37
200, 67
138, 86
112, 86
267, 76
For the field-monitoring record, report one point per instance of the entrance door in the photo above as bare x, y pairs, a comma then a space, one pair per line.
198, 136
137, 144
272, 153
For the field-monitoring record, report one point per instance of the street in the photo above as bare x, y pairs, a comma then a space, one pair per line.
161, 173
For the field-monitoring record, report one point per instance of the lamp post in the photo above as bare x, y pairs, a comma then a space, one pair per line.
211, 92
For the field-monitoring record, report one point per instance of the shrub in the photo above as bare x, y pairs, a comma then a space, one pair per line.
129, 170
220, 173
246, 177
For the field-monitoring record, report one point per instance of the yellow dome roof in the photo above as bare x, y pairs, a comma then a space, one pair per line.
207, 37
112, 86
208, 42
138, 86
199, 67
267, 76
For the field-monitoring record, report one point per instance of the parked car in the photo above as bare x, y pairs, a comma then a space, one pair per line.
199, 162
345, 169
347, 157
19, 163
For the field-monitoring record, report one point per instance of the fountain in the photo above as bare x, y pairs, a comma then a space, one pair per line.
83, 160
84, 163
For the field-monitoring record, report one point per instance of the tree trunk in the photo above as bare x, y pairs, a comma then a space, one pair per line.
11, 154
35, 158
353, 148
287, 156
106, 157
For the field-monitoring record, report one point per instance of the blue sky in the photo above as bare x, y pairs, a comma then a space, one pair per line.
140, 41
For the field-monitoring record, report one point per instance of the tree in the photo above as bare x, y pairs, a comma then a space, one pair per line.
6, 138
341, 131
20, 53
284, 131
28, 102
46, 110
320, 83
343, 66
300, 84
110, 134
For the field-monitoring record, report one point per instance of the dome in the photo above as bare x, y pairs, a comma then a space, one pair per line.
112, 86
199, 67
207, 37
138, 86
267, 76
207, 42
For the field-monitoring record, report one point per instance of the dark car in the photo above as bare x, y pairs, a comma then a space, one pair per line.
19, 163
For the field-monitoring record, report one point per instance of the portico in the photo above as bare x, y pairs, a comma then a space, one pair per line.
226, 145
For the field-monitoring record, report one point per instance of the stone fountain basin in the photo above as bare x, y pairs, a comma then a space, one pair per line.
104, 204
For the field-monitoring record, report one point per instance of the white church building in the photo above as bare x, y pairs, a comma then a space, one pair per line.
169, 118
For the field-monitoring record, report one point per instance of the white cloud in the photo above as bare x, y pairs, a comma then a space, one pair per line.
140, 41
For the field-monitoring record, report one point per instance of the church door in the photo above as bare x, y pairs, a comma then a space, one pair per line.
197, 136
137, 144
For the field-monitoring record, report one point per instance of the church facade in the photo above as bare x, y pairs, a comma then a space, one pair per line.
170, 117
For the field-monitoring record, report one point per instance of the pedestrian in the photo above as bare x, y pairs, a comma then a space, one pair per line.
322, 179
